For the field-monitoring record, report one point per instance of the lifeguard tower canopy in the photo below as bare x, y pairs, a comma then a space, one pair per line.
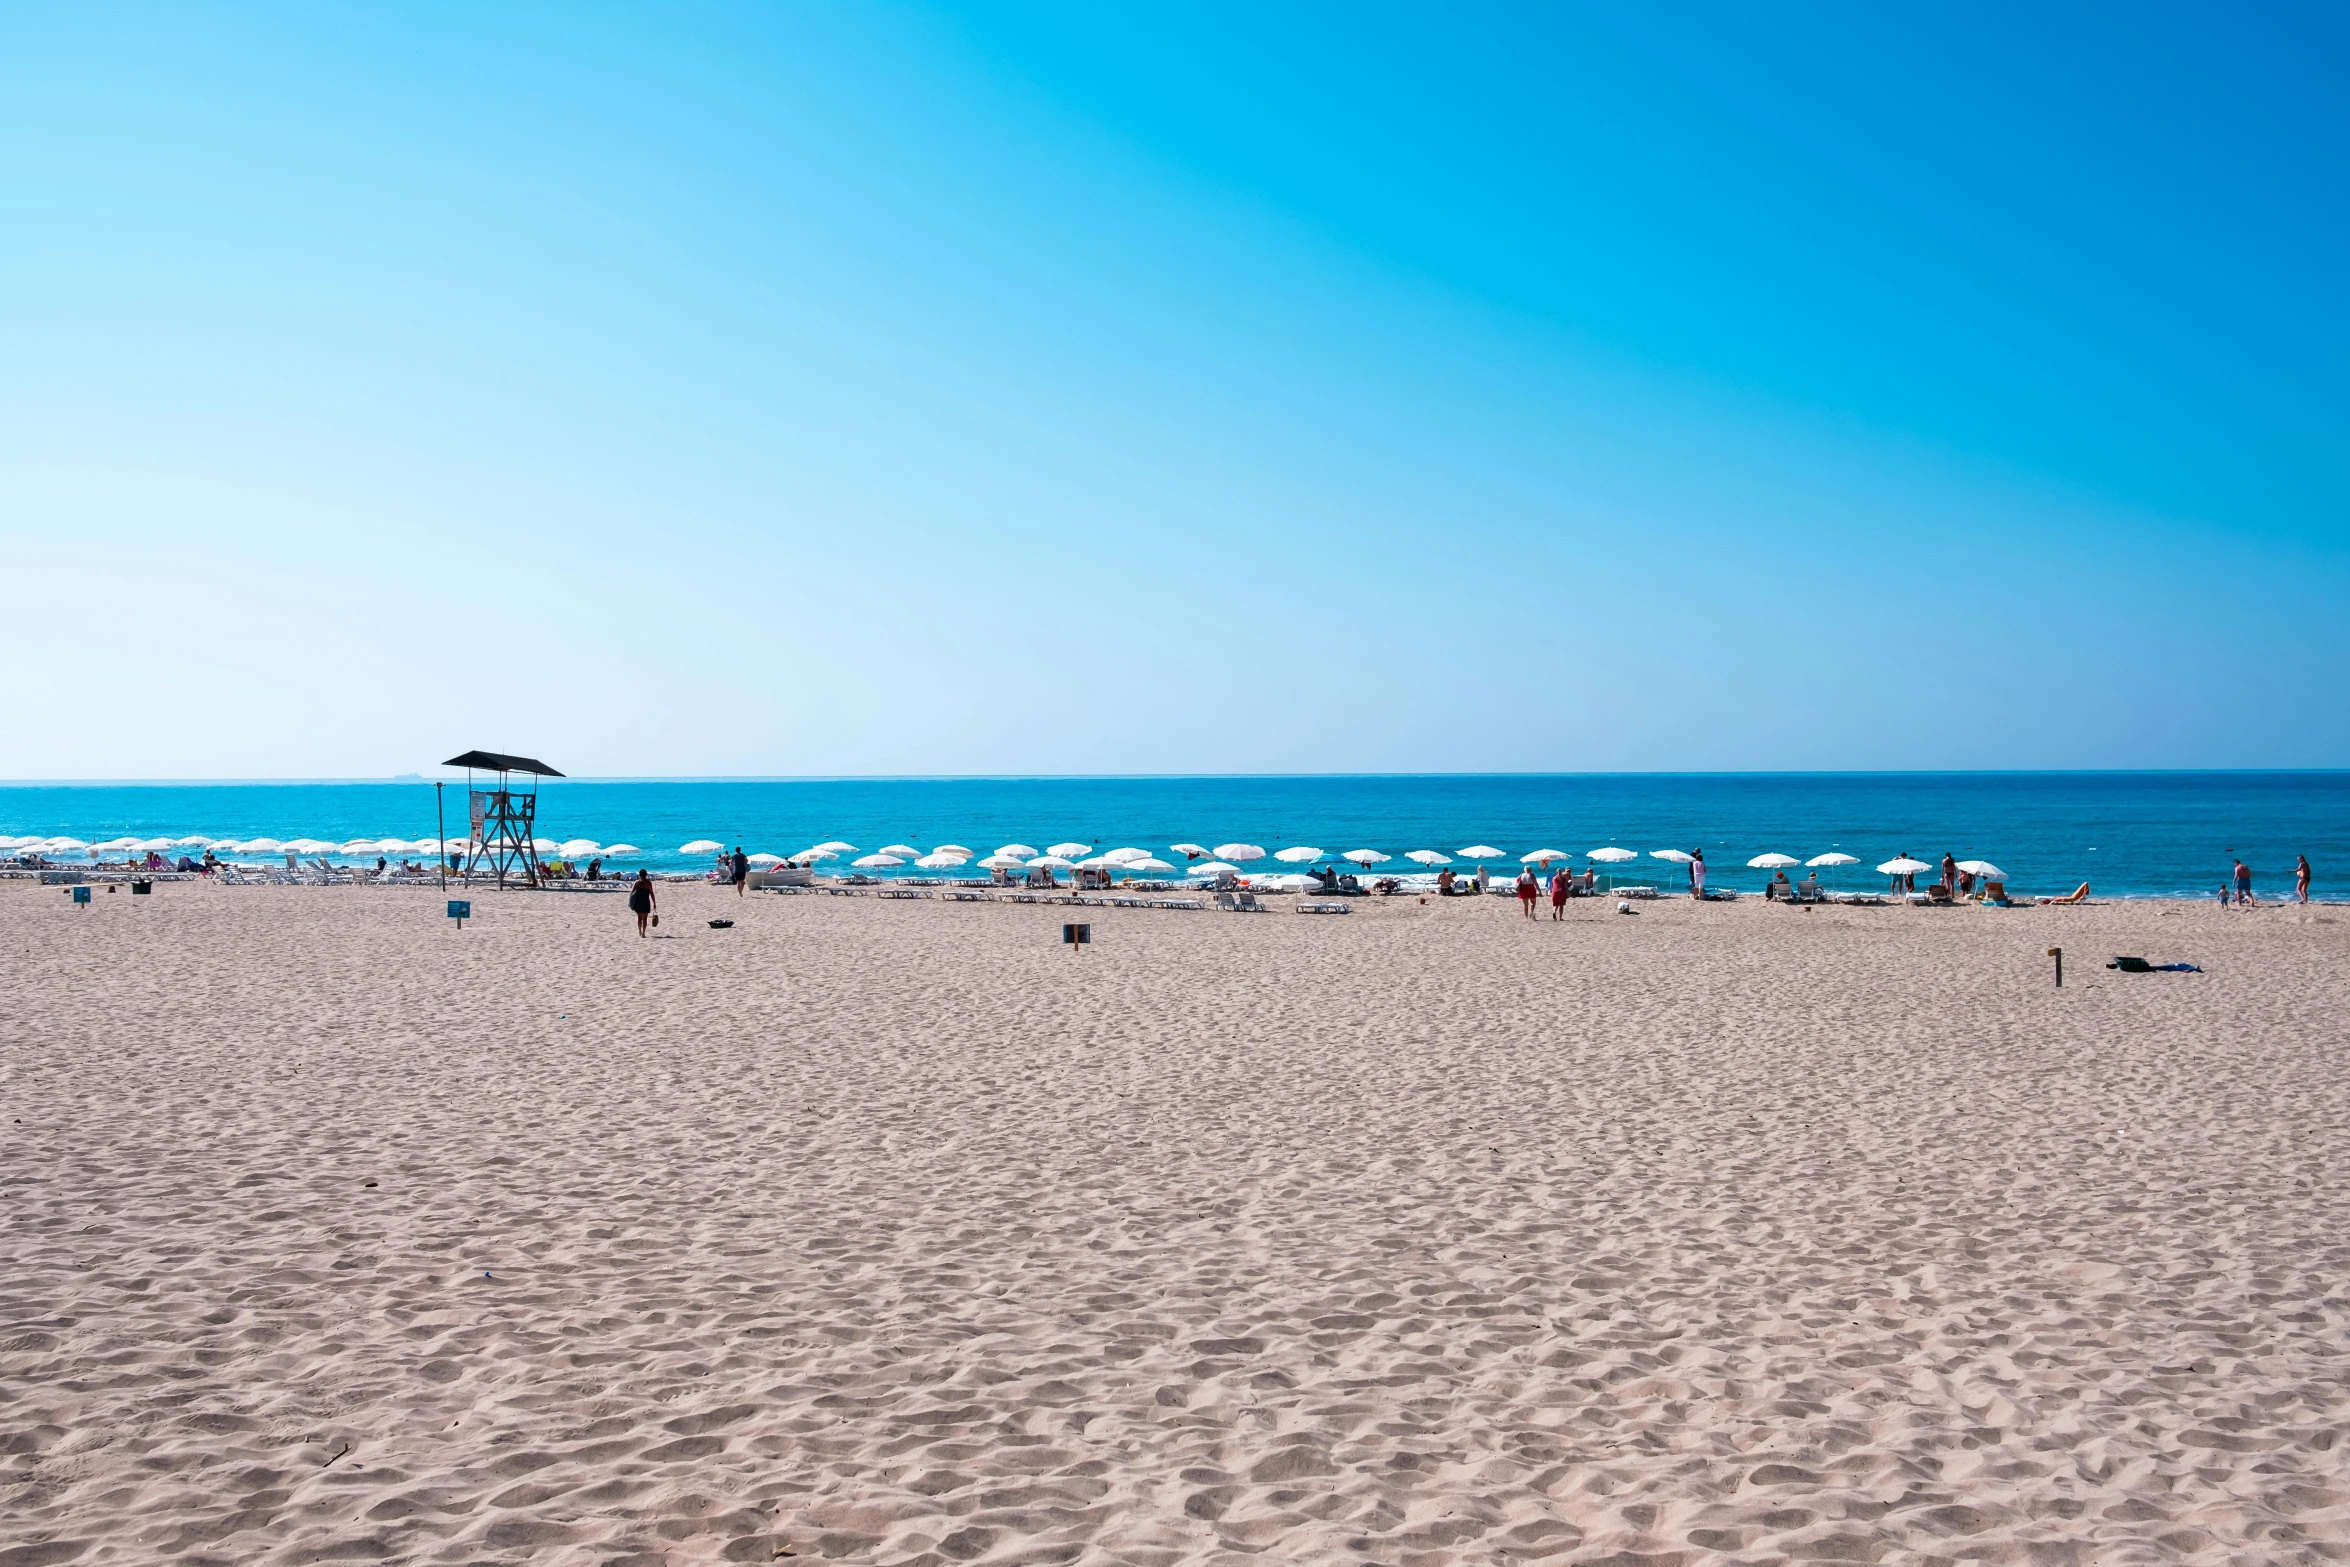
503, 820
493, 762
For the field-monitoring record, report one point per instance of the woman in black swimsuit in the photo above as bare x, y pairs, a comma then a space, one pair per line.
640, 899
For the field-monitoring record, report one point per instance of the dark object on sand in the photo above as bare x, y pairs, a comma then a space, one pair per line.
722, 924
2141, 966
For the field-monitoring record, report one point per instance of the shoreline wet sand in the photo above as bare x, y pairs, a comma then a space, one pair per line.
895, 1231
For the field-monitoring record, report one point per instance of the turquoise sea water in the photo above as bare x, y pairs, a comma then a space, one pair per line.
2142, 834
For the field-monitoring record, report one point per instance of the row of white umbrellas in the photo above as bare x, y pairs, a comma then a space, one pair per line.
576, 848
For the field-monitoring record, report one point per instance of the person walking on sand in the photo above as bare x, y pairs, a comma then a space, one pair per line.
738, 869
1697, 874
2301, 877
2243, 885
1561, 880
1527, 891
640, 899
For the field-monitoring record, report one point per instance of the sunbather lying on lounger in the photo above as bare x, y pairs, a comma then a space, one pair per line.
2079, 894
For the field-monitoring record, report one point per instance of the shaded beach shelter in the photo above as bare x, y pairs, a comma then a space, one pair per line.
1292, 882
943, 861
764, 859
1771, 862
953, 848
1818, 860
1611, 856
579, 848
1365, 857
1481, 852
1544, 856
876, 862
1428, 857
613, 851
1297, 854
1016, 851
256, 846
1066, 849
1190, 851
113, 845
1126, 856
904, 851
700, 846
835, 846
1677, 856
1000, 861
195, 842
811, 856
1904, 866
1213, 868
1159, 866
1239, 851
1982, 868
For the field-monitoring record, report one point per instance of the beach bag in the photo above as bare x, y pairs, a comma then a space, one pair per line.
656, 921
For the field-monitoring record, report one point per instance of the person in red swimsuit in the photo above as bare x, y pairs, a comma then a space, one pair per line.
1527, 891
1559, 882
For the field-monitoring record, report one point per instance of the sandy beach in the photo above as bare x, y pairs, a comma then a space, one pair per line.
896, 1232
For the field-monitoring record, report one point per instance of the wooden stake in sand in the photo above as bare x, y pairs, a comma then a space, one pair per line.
2058, 954
1077, 937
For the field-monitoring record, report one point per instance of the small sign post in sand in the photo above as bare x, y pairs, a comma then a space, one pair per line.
2058, 954
1077, 937
460, 910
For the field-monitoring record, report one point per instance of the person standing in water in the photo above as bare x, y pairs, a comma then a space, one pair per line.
2243, 885
2301, 877
640, 899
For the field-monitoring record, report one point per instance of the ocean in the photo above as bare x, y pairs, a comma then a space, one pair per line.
2142, 834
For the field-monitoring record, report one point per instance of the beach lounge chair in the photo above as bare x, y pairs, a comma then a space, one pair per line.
1325, 908
1226, 901
1938, 893
2079, 894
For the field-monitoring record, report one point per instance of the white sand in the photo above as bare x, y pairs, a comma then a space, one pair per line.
894, 1232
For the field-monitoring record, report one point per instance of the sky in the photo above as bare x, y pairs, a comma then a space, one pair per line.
1018, 389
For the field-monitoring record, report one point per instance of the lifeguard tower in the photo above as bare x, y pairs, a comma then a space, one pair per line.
503, 818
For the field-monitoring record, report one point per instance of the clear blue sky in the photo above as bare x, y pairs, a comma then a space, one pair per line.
854, 389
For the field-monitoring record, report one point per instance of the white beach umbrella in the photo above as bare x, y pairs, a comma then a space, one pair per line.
904, 851
1065, 849
258, 846
196, 841
1429, 857
1002, 862
1213, 868
1677, 856
1148, 865
152, 845
1903, 867
954, 848
613, 851
1018, 851
544, 846
582, 848
1297, 855
65, 845
764, 859
1481, 851
310, 845
700, 846
943, 861
1365, 856
1771, 862
1982, 868
1126, 856
112, 845
1052, 862
1190, 851
1239, 851
835, 846
1832, 859
811, 856
1291, 883
11, 841
1099, 862
1611, 856
369, 846
1544, 856
876, 862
